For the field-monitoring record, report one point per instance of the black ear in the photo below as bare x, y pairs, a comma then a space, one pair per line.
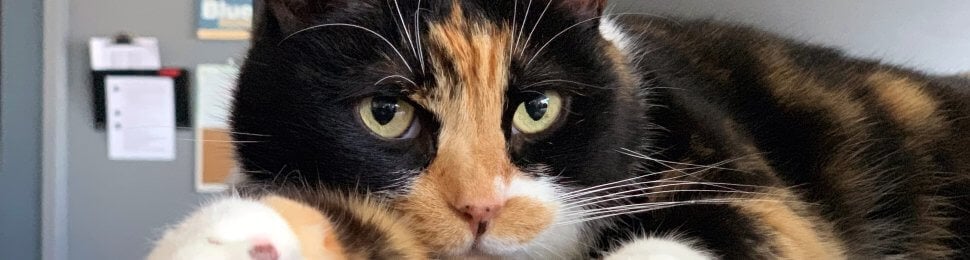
585, 9
279, 18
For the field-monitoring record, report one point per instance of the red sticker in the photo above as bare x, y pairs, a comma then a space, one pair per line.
170, 72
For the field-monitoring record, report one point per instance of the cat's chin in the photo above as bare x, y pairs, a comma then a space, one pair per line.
490, 249
495, 248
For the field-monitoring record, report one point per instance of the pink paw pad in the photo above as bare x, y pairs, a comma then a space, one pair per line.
263, 250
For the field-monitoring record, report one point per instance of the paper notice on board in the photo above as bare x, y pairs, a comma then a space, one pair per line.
141, 118
140, 54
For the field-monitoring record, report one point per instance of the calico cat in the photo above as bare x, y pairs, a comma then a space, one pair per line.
548, 130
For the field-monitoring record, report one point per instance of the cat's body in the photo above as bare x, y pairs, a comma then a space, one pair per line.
540, 130
875, 155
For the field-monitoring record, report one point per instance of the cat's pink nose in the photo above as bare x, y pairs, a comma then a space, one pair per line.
479, 213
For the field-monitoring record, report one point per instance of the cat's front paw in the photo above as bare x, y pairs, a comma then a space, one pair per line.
658, 248
271, 228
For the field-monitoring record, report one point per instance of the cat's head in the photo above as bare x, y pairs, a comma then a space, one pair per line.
474, 117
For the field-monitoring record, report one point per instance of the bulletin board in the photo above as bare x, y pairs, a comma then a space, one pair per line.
214, 155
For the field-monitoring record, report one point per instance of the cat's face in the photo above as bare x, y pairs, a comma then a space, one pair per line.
474, 117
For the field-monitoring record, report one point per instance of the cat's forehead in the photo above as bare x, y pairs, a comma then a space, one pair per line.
480, 44
434, 49
468, 57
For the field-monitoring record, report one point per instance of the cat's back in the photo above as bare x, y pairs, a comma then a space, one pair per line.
875, 145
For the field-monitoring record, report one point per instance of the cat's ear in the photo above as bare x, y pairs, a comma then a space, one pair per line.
278, 18
585, 9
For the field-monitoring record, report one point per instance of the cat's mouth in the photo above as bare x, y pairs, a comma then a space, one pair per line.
526, 221
498, 239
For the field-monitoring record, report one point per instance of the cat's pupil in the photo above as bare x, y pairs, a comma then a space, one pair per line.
383, 109
537, 107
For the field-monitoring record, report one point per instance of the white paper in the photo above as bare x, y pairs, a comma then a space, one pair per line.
140, 54
214, 94
141, 118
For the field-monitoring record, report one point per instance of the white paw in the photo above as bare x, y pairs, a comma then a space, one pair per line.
658, 249
231, 228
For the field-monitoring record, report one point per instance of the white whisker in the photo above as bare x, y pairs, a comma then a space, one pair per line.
599, 187
280, 172
659, 205
641, 156
225, 131
607, 186
528, 39
522, 26
378, 82
417, 34
667, 180
218, 141
621, 208
645, 186
544, 82
353, 26
611, 185
534, 56
405, 27
629, 207
515, 14
557, 36
628, 212
615, 197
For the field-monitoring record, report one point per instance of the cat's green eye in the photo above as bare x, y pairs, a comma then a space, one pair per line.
388, 117
538, 113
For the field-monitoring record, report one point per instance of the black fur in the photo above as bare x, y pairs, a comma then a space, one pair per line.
703, 94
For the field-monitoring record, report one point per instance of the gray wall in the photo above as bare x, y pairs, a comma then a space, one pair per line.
115, 208
933, 36
20, 122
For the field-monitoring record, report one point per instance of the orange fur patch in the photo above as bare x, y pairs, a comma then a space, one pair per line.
522, 220
795, 235
916, 111
471, 73
398, 236
794, 87
315, 232
904, 99
435, 222
469, 59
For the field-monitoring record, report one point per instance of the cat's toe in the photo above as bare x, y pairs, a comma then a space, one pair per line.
264, 250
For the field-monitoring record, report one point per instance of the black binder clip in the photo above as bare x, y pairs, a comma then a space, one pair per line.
122, 38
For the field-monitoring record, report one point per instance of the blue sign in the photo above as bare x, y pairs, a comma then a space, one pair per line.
225, 19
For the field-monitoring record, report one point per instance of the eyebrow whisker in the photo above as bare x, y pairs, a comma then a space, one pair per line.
522, 26
378, 82
398, 52
527, 40
404, 26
